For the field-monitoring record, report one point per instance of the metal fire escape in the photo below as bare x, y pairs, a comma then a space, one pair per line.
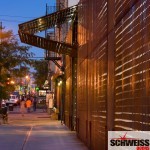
28, 29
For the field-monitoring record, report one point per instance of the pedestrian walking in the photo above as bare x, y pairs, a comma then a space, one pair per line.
4, 114
34, 103
28, 104
3, 103
22, 106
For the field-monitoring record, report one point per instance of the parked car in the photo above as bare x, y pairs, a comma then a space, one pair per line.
13, 100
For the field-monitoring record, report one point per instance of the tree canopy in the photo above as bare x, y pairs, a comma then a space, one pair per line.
41, 72
14, 61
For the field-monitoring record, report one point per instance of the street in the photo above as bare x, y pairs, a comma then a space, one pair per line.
37, 131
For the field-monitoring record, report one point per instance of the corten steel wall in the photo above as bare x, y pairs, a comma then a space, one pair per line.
71, 79
92, 73
68, 94
132, 66
113, 68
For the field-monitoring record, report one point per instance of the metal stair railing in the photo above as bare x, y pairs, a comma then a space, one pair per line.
54, 46
28, 29
49, 21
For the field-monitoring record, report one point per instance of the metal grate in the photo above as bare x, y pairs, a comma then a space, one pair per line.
132, 73
130, 63
92, 73
122, 8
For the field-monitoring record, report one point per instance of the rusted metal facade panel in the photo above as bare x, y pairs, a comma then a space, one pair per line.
82, 99
68, 94
99, 17
92, 73
122, 7
131, 77
132, 73
98, 109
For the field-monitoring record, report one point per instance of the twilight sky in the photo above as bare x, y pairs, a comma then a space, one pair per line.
14, 12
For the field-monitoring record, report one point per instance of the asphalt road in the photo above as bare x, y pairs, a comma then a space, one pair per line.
37, 131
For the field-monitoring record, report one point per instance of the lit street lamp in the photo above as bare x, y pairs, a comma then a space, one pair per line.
12, 82
27, 79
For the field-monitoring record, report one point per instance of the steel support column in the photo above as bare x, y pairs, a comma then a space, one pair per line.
74, 75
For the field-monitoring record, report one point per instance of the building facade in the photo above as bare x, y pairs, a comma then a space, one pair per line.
105, 87
113, 69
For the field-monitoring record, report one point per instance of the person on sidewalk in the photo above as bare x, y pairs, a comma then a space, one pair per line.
4, 114
22, 106
34, 103
28, 104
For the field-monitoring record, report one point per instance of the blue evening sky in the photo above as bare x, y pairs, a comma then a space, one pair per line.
14, 12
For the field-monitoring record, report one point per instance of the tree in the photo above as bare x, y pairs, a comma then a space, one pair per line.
13, 57
41, 72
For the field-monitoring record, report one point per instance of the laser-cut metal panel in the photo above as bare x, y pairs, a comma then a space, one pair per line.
132, 73
92, 73
123, 7
68, 94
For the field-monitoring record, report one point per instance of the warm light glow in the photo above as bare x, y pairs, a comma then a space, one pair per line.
27, 77
59, 83
40, 21
12, 82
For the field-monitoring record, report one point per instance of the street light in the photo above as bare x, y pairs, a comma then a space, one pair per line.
12, 82
27, 78
59, 83
61, 102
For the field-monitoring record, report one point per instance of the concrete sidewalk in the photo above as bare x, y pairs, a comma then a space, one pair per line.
36, 131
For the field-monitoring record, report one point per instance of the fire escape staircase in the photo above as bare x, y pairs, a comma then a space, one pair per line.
28, 30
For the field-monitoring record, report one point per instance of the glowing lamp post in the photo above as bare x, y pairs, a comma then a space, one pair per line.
27, 78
